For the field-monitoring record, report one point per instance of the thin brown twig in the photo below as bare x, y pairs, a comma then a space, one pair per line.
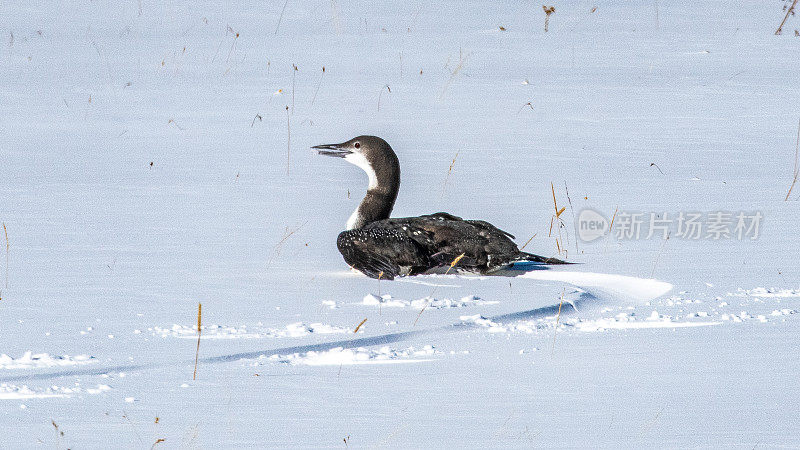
199, 332
359, 325
788, 13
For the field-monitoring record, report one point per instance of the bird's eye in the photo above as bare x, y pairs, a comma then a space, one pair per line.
357, 145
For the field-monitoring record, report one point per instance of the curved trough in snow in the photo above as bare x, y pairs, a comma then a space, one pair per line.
605, 287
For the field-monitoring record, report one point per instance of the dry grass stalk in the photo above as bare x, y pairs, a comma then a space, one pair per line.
446, 178
652, 164
556, 219
172, 121
788, 13
158, 441
572, 210
547, 11
8, 250
288, 139
558, 319
386, 86
294, 75
235, 38
461, 60
318, 85
528, 241
380, 304
337, 23
199, 332
58, 432
281, 16
133, 427
276, 250
658, 256
452, 264
359, 325
612, 219
796, 165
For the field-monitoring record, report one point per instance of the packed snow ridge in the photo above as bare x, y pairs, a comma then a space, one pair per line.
31, 360
297, 329
764, 292
341, 356
15, 392
386, 300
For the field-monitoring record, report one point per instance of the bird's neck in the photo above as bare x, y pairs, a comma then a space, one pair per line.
384, 184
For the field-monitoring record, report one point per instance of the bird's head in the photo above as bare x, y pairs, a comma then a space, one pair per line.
371, 153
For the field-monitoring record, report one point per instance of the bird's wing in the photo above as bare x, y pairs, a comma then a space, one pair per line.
486, 226
412, 245
382, 252
475, 244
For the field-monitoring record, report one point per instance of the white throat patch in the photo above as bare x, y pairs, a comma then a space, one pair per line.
357, 159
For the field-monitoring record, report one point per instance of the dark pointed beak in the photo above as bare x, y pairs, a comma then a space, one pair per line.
336, 150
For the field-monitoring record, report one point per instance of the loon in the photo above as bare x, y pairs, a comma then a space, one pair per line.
384, 247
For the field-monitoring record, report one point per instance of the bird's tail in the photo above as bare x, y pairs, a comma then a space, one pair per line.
530, 257
525, 262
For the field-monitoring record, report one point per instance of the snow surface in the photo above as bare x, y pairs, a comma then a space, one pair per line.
146, 166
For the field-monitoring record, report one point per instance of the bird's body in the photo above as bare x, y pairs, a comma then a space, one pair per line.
383, 247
